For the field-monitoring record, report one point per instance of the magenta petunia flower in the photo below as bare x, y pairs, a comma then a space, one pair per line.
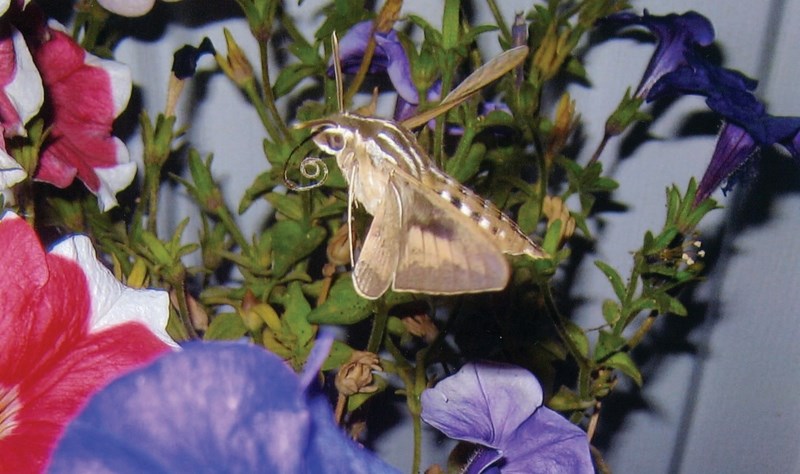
499, 407
53, 353
83, 94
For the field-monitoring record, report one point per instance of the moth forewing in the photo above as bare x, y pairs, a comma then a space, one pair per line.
482, 76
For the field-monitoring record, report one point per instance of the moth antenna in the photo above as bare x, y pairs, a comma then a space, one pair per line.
337, 73
311, 167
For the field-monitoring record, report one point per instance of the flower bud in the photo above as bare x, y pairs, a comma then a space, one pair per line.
356, 375
235, 65
555, 209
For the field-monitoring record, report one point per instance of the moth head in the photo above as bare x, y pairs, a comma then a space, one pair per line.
331, 137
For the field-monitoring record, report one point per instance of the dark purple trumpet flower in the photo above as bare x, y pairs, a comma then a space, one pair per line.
389, 58
499, 407
213, 407
676, 35
747, 126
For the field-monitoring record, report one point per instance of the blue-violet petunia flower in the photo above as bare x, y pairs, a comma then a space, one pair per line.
213, 407
676, 35
389, 58
499, 407
747, 126
67, 328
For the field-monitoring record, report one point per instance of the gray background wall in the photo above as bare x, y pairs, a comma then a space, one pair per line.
721, 387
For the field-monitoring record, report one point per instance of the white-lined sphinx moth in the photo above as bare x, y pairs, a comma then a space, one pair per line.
429, 233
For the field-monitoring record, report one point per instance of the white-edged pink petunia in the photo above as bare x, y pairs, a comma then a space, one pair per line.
57, 347
83, 96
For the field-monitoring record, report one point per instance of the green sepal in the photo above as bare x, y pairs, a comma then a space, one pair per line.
225, 327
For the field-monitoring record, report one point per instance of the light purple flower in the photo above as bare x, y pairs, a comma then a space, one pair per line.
676, 34
500, 407
213, 407
389, 58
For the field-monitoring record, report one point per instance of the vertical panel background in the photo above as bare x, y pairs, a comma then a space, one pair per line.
721, 386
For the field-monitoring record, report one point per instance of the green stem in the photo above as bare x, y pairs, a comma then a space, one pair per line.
498, 18
230, 224
266, 82
599, 150
262, 109
378, 326
183, 309
153, 187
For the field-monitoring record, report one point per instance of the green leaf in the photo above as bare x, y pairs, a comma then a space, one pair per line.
613, 277
291, 75
293, 241
358, 399
466, 166
552, 237
567, 400
226, 326
669, 304
607, 344
578, 338
343, 306
611, 311
296, 315
623, 362
287, 204
339, 355
528, 215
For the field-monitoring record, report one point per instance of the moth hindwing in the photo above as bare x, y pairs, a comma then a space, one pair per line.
429, 234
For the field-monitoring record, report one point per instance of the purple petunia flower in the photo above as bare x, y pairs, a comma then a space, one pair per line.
389, 58
676, 34
499, 407
213, 407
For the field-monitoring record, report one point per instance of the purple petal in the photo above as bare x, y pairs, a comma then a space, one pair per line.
547, 443
327, 453
676, 34
734, 147
483, 403
399, 69
212, 407
389, 57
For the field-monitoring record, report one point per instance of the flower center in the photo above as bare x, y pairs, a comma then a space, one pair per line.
9, 407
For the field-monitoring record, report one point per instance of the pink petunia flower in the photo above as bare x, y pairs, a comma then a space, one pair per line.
84, 94
53, 356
